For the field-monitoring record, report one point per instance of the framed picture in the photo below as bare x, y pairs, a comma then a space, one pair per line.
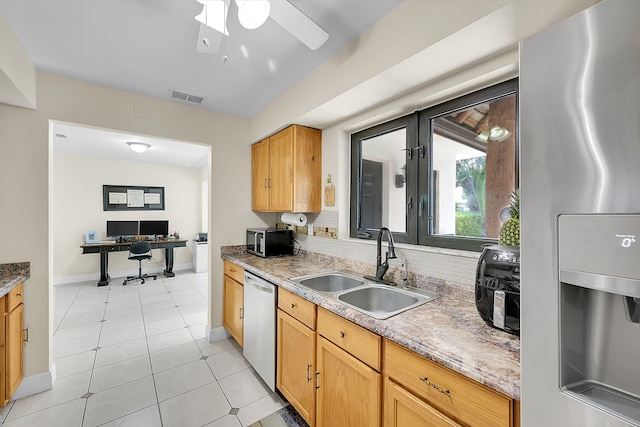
91, 237
132, 198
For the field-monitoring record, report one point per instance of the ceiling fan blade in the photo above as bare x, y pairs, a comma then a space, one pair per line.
214, 39
298, 24
214, 14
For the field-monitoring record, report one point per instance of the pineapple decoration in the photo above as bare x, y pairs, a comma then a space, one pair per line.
510, 231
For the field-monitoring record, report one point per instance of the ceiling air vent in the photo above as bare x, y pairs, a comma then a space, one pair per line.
196, 99
186, 97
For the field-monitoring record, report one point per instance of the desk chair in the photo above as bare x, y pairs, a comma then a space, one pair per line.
139, 251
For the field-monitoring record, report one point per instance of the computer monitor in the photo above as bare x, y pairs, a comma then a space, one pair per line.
122, 228
154, 228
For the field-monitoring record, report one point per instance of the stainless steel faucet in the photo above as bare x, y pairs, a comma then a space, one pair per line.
382, 267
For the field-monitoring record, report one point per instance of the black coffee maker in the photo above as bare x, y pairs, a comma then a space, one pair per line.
498, 287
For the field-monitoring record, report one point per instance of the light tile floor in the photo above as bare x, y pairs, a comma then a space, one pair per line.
137, 355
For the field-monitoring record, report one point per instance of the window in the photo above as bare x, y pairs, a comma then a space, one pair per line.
439, 177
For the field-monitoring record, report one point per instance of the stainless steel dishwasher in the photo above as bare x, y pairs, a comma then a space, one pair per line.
260, 327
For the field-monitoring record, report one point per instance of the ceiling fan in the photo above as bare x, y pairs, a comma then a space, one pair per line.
252, 14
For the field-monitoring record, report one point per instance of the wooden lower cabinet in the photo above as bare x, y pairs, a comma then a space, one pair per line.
233, 300
349, 391
296, 349
14, 353
12, 339
402, 409
332, 371
463, 400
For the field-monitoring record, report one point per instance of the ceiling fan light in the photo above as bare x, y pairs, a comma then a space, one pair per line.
253, 13
138, 147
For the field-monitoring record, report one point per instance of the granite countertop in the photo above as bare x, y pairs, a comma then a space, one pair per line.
12, 274
7, 283
447, 330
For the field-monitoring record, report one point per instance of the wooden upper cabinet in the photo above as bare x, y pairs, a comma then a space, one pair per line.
260, 175
287, 171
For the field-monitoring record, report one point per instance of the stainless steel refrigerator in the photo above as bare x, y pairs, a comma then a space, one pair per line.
580, 219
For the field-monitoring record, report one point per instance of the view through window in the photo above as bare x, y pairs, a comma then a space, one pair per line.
442, 176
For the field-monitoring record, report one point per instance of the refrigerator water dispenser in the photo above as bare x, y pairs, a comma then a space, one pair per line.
599, 272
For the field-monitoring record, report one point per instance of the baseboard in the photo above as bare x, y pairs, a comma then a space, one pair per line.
217, 334
34, 384
94, 277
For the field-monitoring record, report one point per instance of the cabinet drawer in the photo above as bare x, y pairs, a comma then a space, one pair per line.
298, 307
14, 298
466, 400
234, 271
404, 409
363, 344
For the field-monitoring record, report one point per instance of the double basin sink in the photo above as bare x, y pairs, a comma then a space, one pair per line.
366, 296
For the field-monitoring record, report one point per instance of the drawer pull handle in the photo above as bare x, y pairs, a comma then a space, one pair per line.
309, 373
242, 313
435, 386
25, 335
20, 294
342, 334
317, 384
293, 305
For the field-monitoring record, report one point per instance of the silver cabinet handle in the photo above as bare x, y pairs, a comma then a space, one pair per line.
435, 386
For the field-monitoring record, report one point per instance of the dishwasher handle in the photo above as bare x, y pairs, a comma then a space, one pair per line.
258, 284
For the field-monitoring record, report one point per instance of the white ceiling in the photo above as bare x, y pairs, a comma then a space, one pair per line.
149, 47
81, 141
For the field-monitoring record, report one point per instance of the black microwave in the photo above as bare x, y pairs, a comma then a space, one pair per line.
269, 242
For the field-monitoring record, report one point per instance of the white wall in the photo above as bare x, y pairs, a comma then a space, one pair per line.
27, 177
77, 208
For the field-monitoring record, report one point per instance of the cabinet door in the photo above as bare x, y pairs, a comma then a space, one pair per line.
260, 176
14, 349
402, 408
307, 170
349, 391
296, 365
453, 394
233, 312
281, 171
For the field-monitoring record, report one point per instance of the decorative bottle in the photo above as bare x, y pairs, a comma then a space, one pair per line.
329, 193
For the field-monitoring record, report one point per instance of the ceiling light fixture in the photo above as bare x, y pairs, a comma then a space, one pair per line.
138, 147
253, 13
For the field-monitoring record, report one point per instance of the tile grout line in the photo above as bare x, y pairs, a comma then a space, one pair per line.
95, 356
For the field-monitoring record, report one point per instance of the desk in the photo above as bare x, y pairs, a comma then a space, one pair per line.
104, 248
